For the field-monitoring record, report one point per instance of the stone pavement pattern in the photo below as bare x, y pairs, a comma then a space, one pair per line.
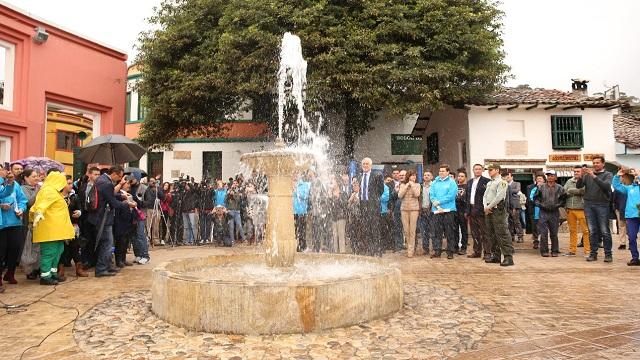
542, 308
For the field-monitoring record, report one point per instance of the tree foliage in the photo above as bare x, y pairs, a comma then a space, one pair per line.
209, 58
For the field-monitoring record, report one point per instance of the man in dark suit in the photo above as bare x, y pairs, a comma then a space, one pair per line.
371, 188
475, 212
103, 217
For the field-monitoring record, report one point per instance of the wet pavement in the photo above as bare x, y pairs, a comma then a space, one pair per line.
541, 308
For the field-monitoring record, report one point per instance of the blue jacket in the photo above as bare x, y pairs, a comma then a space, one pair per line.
633, 197
17, 200
536, 210
220, 197
445, 192
384, 200
301, 198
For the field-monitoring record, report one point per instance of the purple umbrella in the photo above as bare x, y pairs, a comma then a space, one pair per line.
40, 164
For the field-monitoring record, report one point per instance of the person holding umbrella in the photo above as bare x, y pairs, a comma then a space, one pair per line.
51, 225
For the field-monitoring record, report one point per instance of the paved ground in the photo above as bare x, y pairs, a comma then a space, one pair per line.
542, 308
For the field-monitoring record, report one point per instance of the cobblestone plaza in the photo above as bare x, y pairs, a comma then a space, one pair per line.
542, 308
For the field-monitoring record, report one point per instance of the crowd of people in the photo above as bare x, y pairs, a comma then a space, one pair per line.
370, 213
50, 221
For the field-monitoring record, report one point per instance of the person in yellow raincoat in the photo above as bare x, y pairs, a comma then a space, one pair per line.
51, 225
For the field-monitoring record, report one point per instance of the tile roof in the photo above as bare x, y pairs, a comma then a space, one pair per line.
626, 128
525, 95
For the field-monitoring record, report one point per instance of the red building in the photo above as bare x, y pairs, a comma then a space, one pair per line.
45, 68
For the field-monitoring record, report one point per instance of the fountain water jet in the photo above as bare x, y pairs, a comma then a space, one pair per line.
274, 292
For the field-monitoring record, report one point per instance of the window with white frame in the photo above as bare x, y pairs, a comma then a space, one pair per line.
7, 59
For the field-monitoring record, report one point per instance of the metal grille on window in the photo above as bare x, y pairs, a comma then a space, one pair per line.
566, 132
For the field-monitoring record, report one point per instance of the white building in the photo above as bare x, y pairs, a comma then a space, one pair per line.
627, 131
526, 130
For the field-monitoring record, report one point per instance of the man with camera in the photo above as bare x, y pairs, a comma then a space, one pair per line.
597, 196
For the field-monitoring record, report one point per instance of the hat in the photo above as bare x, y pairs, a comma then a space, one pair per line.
550, 172
493, 166
137, 175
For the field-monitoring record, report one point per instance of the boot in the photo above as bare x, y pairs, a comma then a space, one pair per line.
80, 271
9, 277
60, 276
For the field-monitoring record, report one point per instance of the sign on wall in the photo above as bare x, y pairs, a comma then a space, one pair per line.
564, 158
405, 144
589, 157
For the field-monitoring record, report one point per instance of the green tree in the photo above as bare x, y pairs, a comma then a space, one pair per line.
210, 58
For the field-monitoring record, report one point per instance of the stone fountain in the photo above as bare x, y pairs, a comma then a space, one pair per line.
279, 291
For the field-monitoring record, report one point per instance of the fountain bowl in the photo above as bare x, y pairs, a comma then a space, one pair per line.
240, 294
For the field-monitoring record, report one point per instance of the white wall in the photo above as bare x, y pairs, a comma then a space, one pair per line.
231, 152
628, 157
376, 143
490, 129
452, 128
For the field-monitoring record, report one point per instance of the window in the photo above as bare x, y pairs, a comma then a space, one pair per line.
566, 132
462, 148
7, 58
211, 165
66, 140
433, 155
142, 111
127, 107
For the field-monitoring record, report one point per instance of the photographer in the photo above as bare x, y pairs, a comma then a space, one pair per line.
151, 204
189, 212
234, 199
206, 203
140, 244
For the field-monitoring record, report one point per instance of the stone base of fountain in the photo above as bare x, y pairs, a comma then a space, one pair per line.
239, 294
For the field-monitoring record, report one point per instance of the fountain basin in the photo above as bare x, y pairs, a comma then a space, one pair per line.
240, 294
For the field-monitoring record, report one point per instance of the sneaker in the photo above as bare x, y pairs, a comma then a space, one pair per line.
143, 261
622, 247
633, 262
137, 260
48, 281
608, 258
569, 254
161, 242
592, 258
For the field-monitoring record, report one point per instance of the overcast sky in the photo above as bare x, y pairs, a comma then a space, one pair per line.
547, 42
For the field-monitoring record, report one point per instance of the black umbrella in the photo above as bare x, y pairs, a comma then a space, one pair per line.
131, 170
111, 149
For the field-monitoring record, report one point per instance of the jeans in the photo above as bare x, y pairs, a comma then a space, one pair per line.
140, 244
397, 230
301, 230
548, 227
461, 225
236, 220
189, 226
205, 226
633, 224
598, 222
103, 252
425, 227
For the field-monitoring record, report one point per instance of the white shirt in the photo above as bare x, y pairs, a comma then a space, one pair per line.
474, 186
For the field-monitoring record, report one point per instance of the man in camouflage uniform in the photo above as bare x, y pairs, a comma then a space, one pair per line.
495, 209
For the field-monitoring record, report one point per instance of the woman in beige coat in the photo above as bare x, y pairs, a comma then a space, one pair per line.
409, 192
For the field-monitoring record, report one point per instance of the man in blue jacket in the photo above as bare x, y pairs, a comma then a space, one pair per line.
443, 194
300, 209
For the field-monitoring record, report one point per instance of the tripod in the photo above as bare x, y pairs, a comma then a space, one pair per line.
157, 214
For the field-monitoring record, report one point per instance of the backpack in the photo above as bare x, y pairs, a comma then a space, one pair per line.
92, 199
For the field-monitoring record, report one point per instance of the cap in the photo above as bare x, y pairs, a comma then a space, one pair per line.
493, 166
550, 172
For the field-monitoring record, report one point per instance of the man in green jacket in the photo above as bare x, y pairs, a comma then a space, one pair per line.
575, 214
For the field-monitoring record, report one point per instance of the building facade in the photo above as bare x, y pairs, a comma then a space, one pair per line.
48, 70
626, 127
525, 130
202, 159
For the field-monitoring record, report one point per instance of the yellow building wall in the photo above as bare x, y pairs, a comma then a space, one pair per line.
57, 121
